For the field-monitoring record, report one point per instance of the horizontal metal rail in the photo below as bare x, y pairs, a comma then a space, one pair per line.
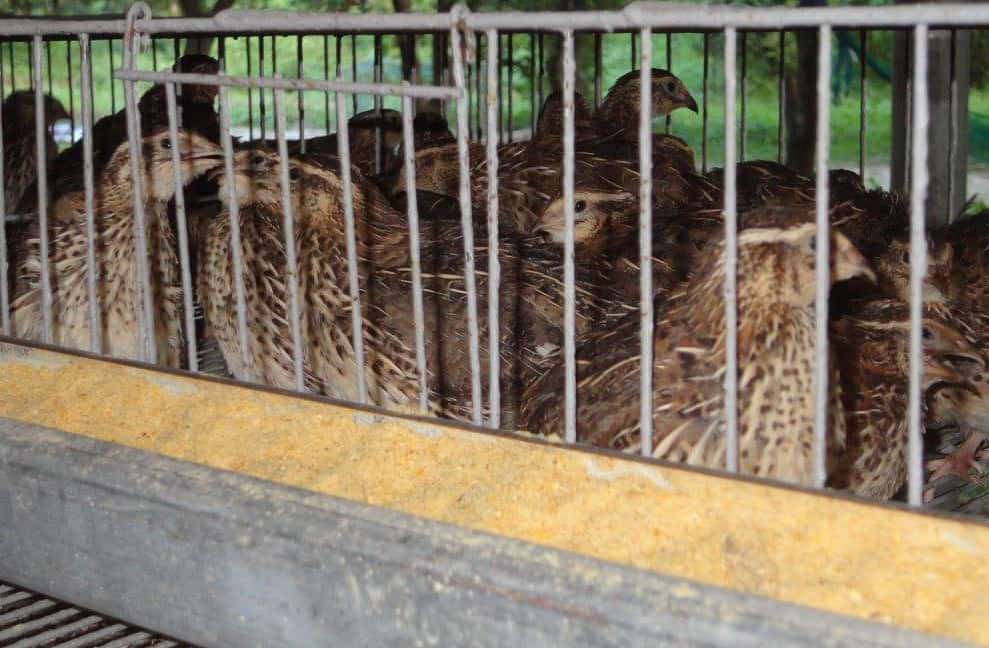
661, 16
276, 83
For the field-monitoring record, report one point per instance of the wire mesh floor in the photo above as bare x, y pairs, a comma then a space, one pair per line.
29, 620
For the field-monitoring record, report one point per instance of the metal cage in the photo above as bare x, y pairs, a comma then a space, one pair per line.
481, 116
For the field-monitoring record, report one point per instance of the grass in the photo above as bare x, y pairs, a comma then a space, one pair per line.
760, 85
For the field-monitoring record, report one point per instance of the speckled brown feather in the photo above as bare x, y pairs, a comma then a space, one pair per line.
776, 357
118, 291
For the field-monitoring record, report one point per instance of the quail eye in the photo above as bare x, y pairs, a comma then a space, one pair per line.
166, 144
671, 86
905, 257
257, 161
294, 174
579, 206
812, 244
926, 333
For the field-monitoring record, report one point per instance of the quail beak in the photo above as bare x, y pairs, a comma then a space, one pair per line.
936, 372
202, 155
848, 262
689, 102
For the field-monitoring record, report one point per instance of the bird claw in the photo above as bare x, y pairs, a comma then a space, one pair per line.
960, 462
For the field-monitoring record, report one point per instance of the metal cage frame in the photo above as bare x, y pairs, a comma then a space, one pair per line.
461, 26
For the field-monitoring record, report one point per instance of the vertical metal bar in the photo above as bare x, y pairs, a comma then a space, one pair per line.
669, 67
918, 264
741, 97
477, 89
353, 66
13, 74
952, 127
233, 208
533, 108
146, 325
261, 91
4, 261
707, 51
48, 62
326, 75
494, 264
72, 106
90, 65
412, 212
250, 92
542, 66
378, 148
356, 318
466, 220
113, 86
863, 112
337, 66
597, 70
42, 164
569, 278
154, 53
92, 274
731, 258
780, 107
300, 73
823, 249
221, 50
501, 91
288, 224
192, 356
645, 244
509, 121
177, 54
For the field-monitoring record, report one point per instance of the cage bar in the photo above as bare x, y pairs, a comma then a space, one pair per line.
918, 264
569, 295
42, 163
234, 210
494, 265
731, 258
533, 108
704, 89
597, 70
470, 281
645, 245
113, 93
229, 81
743, 130
669, 67
300, 73
412, 213
261, 90
510, 117
863, 112
4, 261
377, 104
823, 248
92, 274
353, 67
780, 95
356, 316
288, 224
250, 91
183, 231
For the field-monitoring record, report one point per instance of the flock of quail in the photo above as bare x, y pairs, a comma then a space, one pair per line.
869, 328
